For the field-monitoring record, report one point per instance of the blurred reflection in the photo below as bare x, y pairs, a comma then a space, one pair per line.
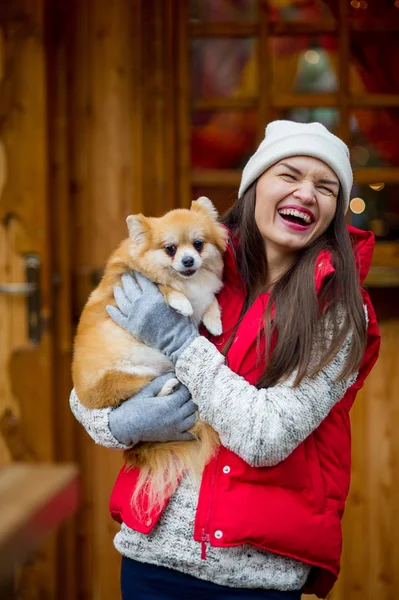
222, 140
374, 135
299, 10
329, 117
304, 64
222, 67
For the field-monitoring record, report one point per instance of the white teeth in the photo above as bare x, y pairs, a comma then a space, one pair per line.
295, 213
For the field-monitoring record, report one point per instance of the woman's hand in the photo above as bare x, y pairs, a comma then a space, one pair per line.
147, 417
143, 312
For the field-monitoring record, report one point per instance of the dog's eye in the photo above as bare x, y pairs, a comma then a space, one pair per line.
198, 245
170, 249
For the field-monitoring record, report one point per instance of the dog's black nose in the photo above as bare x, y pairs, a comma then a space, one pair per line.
188, 261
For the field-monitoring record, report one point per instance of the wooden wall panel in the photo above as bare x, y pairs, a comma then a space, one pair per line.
7, 400
100, 84
370, 559
100, 96
65, 426
158, 93
383, 469
121, 160
24, 227
13, 330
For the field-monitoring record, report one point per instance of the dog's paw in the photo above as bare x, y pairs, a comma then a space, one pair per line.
180, 303
213, 324
212, 318
169, 387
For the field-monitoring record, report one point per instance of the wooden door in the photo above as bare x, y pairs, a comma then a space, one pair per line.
123, 103
26, 430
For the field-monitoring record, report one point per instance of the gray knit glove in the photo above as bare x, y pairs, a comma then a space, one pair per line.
144, 313
146, 417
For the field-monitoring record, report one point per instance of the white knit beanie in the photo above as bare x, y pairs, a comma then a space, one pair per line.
288, 138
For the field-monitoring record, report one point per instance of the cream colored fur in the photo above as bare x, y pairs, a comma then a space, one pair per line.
110, 366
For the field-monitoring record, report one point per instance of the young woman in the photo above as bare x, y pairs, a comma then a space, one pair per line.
299, 338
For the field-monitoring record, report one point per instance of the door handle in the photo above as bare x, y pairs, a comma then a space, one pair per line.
31, 289
17, 289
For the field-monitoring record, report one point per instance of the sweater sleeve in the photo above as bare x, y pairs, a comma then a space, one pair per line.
262, 426
96, 422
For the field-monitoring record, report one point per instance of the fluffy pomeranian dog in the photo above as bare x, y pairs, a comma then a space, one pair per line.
182, 252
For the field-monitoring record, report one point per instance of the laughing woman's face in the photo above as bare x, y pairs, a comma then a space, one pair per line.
296, 200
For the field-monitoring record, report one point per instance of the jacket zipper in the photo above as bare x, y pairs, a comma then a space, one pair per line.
205, 536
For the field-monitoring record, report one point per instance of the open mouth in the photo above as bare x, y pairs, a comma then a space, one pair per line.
188, 273
296, 218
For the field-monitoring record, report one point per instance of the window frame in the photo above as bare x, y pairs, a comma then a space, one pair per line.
385, 270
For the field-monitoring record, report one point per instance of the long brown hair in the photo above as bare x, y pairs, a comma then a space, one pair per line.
300, 313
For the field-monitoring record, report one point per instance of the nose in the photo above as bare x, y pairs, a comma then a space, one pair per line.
187, 261
305, 192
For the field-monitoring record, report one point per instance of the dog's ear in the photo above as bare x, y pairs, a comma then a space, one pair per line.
203, 203
138, 228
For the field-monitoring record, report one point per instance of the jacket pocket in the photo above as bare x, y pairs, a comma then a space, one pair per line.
316, 482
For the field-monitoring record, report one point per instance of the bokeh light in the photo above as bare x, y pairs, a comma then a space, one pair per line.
357, 205
312, 57
377, 187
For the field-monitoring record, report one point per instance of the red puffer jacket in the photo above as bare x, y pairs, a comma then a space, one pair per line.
294, 508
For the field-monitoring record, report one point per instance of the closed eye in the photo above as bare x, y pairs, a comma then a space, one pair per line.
289, 175
322, 187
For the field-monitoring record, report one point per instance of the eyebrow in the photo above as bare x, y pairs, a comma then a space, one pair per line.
329, 182
298, 172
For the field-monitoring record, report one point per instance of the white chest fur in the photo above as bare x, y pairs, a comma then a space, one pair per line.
201, 291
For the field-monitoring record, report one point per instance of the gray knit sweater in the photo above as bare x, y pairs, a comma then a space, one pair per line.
263, 427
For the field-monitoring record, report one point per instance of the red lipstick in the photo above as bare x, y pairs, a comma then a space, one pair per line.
301, 209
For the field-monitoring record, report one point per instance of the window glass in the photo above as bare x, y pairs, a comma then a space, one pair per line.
222, 139
375, 207
374, 137
304, 64
374, 61
329, 117
223, 10
299, 10
223, 67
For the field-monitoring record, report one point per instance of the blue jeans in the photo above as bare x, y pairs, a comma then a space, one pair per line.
141, 581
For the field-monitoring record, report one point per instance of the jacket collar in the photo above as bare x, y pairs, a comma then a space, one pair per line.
363, 247
363, 243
